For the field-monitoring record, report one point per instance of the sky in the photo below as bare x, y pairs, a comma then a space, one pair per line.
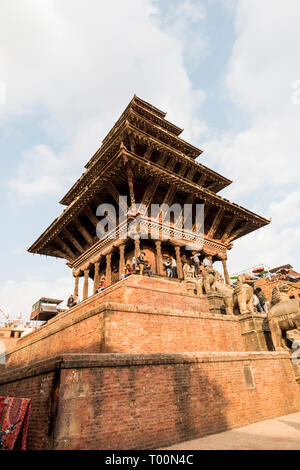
227, 71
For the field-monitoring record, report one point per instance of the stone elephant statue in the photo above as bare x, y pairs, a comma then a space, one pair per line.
283, 316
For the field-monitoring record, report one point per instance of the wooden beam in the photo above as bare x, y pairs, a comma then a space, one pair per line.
73, 240
202, 180
235, 234
191, 173
171, 165
148, 194
65, 247
89, 212
229, 228
132, 143
58, 253
207, 206
130, 187
168, 199
216, 223
84, 231
116, 195
182, 169
148, 153
187, 211
211, 186
109, 216
162, 159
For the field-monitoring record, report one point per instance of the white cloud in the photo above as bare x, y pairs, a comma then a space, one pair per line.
19, 295
183, 21
265, 59
286, 212
78, 64
266, 155
37, 173
263, 159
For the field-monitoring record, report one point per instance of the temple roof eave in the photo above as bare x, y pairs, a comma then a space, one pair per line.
80, 202
129, 128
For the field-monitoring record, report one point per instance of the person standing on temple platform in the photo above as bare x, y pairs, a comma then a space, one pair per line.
133, 262
148, 269
206, 262
262, 299
140, 261
257, 303
103, 284
196, 262
174, 267
168, 268
71, 301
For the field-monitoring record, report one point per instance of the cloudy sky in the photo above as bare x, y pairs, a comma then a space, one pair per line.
227, 71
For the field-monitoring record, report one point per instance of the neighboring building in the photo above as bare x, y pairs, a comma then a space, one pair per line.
267, 278
284, 273
45, 308
12, 330
10, 335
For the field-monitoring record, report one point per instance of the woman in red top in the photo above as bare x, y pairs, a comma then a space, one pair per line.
102, 284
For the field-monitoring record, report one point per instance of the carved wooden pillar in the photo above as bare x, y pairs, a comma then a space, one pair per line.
108, 269
160, 269
122, 260
76, 277
137, 247
226, 274
85, 293
96, 276
178, 262
131, 190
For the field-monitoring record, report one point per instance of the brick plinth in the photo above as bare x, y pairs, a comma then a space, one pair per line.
136, 315
255, 332
122, 401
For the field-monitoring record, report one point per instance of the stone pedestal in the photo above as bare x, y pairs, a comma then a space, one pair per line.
255, 332
216, 303
191, 286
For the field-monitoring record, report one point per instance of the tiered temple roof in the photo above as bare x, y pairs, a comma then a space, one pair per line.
143, 157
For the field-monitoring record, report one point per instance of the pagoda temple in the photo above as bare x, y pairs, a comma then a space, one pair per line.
146, 362
144, 161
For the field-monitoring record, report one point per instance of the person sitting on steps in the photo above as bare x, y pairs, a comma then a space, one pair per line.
148, 269
71, 301
103, 284
128, 270
140, 262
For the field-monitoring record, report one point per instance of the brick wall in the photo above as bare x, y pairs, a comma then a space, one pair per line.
137, 315
120, 401
41, 385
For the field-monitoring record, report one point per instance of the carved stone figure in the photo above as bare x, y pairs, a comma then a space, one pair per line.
209, 280
213, 281
188, 271
283, 316
242, 299
189, 278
